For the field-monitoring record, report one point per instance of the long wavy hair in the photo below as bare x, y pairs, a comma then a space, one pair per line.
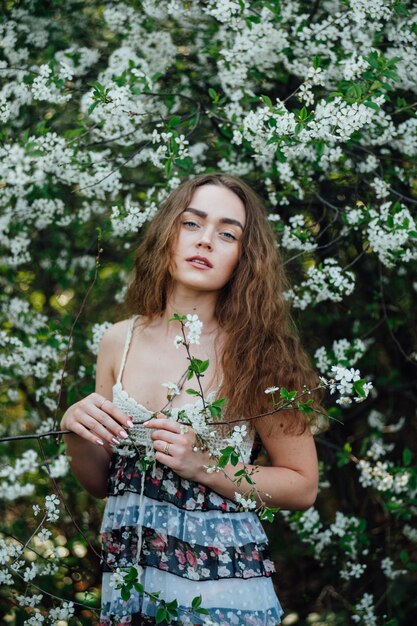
262, 346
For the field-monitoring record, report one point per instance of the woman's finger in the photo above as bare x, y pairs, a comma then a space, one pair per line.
91, 418
166, 448
106, 406
85, 433
109, 424
110, 431
165, 435
163, 423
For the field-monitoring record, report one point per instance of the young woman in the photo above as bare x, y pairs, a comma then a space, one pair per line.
209, 252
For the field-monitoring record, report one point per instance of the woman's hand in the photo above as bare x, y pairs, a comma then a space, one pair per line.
96, 419
174, 445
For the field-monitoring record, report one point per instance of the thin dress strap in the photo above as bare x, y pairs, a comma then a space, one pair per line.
127, 344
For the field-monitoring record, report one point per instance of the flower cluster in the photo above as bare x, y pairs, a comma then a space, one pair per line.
342, 351
247, 504
194, 326
381, 476
326, 282
98, 331
52, 508
131, 217
344, 380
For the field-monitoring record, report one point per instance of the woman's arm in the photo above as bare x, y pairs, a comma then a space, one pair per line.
88, 445
291, 481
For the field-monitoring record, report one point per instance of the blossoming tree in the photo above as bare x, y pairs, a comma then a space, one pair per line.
106, 107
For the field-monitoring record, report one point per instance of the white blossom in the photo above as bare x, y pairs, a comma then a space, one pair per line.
365, 612
387, 566
63, 612
247, 504
194, 326
328, 282
271, 389
98, 331
172, 390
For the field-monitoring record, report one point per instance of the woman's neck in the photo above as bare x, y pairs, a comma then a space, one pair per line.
202, 304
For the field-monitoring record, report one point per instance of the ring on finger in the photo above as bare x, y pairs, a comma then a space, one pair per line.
101, 405
166, 449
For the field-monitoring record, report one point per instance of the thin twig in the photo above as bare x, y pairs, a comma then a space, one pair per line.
99, 250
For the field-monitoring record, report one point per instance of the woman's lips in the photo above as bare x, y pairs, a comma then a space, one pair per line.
199, 262
198, 265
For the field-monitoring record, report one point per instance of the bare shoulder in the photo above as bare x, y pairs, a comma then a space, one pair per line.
114, 337
116, 331
111, 345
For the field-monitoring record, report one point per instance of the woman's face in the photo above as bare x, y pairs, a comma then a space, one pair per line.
208, 245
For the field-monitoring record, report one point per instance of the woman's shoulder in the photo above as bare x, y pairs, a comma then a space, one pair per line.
116, 333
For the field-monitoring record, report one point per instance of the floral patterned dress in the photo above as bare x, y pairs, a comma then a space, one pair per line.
186, 540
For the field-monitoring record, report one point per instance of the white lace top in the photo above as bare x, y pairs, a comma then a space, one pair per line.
140, 435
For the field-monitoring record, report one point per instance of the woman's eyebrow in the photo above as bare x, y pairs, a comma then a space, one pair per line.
223, 220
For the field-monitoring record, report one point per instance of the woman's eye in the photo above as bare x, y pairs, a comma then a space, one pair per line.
229, 236
190, 223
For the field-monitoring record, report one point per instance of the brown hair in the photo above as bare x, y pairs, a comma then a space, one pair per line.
262, 346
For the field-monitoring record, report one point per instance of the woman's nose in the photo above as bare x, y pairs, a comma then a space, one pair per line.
205, 239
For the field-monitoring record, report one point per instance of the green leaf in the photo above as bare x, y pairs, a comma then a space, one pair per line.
178, 318
407, 456
372, 105
174, 121
401, 9
214, 410
268, 513
391, 74
192, 392
161, 615
358, 387
234, 458
168, 166
267, 101
125, 592
404, 557
303, 114
305, 406
287, 395
198, 366
131, 575
139, 587
373, 60
196, 602
219, 402
215, 407
92, 107
171, 606
252, 19
212, 93
281, 158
